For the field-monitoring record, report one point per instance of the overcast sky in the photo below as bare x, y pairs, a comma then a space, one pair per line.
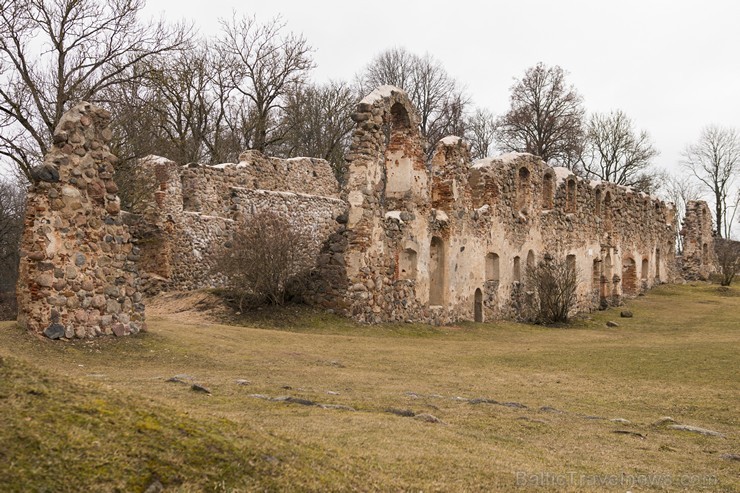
673, 66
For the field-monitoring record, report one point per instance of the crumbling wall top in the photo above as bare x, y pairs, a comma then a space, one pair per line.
78, 274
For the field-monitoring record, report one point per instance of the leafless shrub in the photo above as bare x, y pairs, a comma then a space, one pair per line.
728, 259
266, 260
553, 281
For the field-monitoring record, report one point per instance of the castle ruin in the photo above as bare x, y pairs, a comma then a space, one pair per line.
401, 239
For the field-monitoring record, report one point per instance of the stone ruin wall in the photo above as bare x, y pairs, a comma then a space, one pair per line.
453, 242
406, 241
402, 240
197, 208
78, 273
699, 259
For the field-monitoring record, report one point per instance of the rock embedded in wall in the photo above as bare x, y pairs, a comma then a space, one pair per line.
78, 273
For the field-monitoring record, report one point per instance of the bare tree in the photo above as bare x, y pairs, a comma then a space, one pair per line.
395, 67
728, 259
135, 129
480, 132
616, 152
181, 85
679, 189
317, 122
12, 209
56, 52
186, 99
440, 102
266, 62
452, 119
266, 253
545, 118
715, 161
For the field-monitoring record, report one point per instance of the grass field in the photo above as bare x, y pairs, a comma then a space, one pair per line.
305, 401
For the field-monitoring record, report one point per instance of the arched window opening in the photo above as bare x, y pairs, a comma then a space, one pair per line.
517, 270
597, 198
530, 261
645, 269
523, 188
399, 117
398, 165
436, 271
547, 191
570, 202
657, 265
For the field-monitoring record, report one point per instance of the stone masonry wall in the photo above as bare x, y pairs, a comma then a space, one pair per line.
402, 240
405, 239
454, 241
197, 208
699, 257
78, 274
207, 189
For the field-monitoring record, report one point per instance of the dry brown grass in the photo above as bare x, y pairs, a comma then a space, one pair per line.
678, 357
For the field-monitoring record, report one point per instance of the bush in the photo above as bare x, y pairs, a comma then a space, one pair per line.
266, 260
728, 259
554, 282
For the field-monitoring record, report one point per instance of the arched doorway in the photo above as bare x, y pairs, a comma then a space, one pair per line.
478, 306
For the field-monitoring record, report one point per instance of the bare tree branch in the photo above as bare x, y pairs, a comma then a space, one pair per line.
715, 162
545, 118
615, 152
267, 62
54, 52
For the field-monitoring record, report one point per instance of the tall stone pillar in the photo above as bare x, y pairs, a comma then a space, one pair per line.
78, 274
